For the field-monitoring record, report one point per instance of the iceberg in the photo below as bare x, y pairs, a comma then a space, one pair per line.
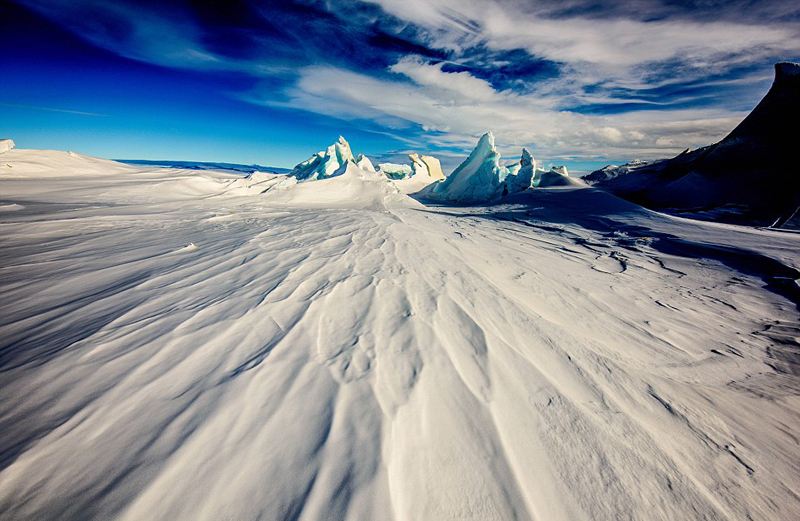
413, 177
520, 175
427, 166
479, 178
482, 177
6, 145
340, 179
394, 171
332, 178
364, 163
421, 167
324, 164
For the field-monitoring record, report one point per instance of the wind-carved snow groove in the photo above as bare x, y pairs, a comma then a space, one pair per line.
703, 436
406, 364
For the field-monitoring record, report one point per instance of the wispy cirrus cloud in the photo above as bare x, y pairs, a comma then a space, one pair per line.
54, 109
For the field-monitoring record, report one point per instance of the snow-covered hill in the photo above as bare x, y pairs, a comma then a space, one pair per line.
557, 176
183, 345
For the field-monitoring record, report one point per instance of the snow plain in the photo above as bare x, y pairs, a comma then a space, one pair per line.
184, 345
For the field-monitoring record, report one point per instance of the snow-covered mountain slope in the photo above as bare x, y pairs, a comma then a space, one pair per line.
610, 172
481, 177
175, 346
748, 177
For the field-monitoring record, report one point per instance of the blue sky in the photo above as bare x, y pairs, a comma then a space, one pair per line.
578, 82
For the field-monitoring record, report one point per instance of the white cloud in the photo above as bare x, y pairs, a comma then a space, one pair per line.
615, 52
432, 75
612, 52
516, 120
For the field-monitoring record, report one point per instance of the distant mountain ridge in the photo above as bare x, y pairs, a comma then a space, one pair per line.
750, 177
203, 165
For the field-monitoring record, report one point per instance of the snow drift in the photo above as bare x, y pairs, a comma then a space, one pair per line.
331, 177
556, 176
750, 176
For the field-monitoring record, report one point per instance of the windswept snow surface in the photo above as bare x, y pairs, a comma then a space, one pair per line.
183, 345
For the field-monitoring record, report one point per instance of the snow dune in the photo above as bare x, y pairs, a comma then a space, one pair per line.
176, 345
